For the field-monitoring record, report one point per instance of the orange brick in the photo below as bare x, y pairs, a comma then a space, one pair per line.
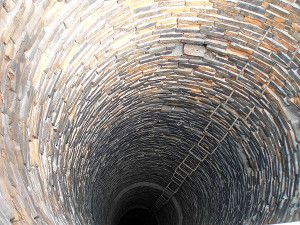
206, 69
279, 19
253, 21
242, 51
267, 46
288, 45
231, 33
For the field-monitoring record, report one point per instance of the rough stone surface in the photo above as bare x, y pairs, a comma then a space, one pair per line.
188, 107
194, 50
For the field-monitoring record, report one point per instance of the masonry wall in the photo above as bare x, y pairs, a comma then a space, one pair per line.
192, 107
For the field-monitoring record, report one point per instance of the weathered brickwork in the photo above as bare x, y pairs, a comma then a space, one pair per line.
196, 100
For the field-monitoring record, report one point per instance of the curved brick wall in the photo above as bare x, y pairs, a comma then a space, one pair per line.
188, 108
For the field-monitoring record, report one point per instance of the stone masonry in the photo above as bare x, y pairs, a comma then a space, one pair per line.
189, 108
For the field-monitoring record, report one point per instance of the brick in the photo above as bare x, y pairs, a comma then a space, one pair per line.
110, 94
194, 50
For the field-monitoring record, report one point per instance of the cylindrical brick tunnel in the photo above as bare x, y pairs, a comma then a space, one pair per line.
174, 112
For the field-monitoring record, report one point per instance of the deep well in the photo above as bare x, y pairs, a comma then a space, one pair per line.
189, 109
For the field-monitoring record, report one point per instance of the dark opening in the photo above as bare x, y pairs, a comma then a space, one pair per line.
138, 217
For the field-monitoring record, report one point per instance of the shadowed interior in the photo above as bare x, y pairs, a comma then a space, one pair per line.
138, 217
101, 101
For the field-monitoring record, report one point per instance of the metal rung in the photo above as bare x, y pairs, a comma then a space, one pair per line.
199, 142
204, 158
217, 122
191, 161
243, 69
208, 142
180, 172
211, 136
205, 133
226, 101
229, 97
224, 125
171, 190
187, 166
222, 139
165, 196
186, 169
190, 152
250, 112
172, 186
213, 151
200, 154
166, 193
231, 126
207, 125
205, 150
177, 176
201, 159
176, 180
214, 111
180, 176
